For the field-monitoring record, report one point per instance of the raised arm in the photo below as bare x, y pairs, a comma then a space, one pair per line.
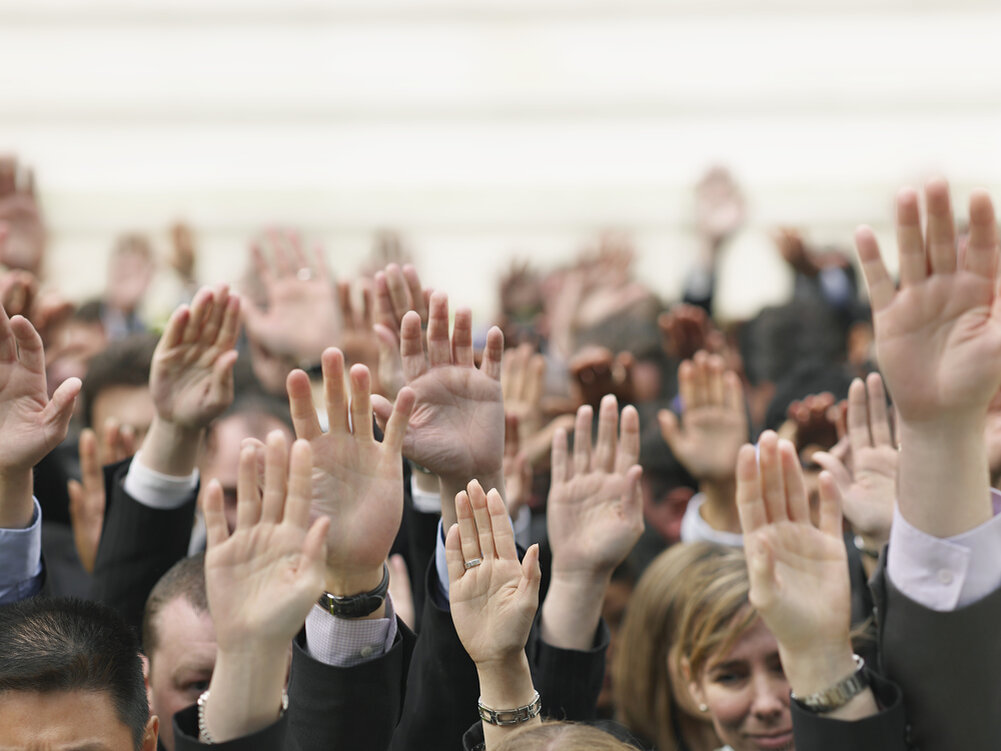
261, 579
493, 600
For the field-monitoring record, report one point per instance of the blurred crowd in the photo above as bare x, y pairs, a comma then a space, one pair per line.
323, 508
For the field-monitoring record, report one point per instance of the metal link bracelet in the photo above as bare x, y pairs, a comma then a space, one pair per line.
510, 716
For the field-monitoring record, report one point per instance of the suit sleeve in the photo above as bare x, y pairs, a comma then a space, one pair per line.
271, 738
138, 545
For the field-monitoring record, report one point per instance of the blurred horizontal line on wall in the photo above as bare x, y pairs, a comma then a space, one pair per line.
124, 12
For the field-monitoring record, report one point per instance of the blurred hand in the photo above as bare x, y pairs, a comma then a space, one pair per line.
719, 205
23, 244
397, 291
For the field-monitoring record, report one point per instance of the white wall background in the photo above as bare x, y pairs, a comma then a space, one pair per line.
485, 127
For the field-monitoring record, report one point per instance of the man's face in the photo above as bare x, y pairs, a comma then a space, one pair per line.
66, 721
129, 405
180, 667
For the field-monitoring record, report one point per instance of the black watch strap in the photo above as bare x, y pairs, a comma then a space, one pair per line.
357, 606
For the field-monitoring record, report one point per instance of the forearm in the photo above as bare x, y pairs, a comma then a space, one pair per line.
16, 505
171, 449
944, 481
506, 685
720, 506
246, 691
451, 486
572, 610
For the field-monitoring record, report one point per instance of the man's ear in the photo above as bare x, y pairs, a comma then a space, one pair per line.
152, 733
149, 690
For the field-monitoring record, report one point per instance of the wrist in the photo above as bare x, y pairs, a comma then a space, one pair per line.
719, 510
506, 681
342, 583
818, 667
246, 691
16, 506
571, 611
171, 448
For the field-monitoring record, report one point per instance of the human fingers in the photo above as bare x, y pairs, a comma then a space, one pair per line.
397, 288
500, 527
858, 417
334, 396
603, 458
941, 230
462, 338
361, 403
582, 440
628, 452
417, 295
877, 278
910, 242
299, 496
439, 347
214, 315
470, 542
454, 557
196, 318
29, 344
750, 500
396, 426
493, 353
831, 523
275, 475
982, 248
686, 385
879, 416
797, 501
714, 379
248, 490
415, 363
771, 476
481, 515
559, 462
700, 380
300, 402
215, 518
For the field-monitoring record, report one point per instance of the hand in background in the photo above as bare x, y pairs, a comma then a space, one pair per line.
261, 582
357, 481
868, 479
397, 291
302, 315
594, 518
87, 496
24, 247
714, 418
31, 424
456, 429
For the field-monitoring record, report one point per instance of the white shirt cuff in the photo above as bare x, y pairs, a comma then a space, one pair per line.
945, 574
157, 490
21, 559
426, 503
694, 528
345, 642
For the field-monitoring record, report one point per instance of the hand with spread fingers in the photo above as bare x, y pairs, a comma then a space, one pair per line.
358, 341
938, 343
869, 487
594, 517
302, 315
493, 600
357, 481
456, 430
87, 496
191, 378
261, 580
397, 291
798, 570
31, 424
714, 421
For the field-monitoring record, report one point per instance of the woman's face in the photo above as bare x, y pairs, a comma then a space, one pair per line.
747, 694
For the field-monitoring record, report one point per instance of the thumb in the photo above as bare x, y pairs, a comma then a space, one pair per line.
669, 427
59, 410
531, 574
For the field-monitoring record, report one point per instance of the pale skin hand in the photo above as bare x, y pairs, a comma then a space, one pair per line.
87, 496
31, 424
191, 379
261, 581
457, 427
869, 488
798, 572
357, 481
594, 517
938, 342
493, 604
302, 316
397, 291
714, 427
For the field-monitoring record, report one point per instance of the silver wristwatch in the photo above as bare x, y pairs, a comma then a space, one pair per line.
837, 695
511, 716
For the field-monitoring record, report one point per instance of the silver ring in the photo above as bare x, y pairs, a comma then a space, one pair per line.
304, 274
472, 564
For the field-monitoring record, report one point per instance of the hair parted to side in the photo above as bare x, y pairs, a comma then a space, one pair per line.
125, 362
718, 613
563, 736
640, 679
67, 644
186, 579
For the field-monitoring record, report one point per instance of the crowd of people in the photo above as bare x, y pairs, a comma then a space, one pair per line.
317, 513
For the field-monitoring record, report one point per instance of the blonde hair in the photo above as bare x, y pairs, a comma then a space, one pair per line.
641, 682
562, 736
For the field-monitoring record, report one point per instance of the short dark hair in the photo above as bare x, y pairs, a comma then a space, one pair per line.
186, 579
126, 362
67, 644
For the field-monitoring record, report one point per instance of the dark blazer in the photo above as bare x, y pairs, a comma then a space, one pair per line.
138, 545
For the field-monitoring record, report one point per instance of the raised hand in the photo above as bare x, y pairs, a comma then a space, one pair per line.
191, 378
31, 424
358, 342
719, 205
938, 343
714, 419
868, 480
594, 517
517, 468
302, 315
397, 291
456, 429
24, 245
798, 571
87, 496
261, 582
493, 599
357, 481
522, 384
